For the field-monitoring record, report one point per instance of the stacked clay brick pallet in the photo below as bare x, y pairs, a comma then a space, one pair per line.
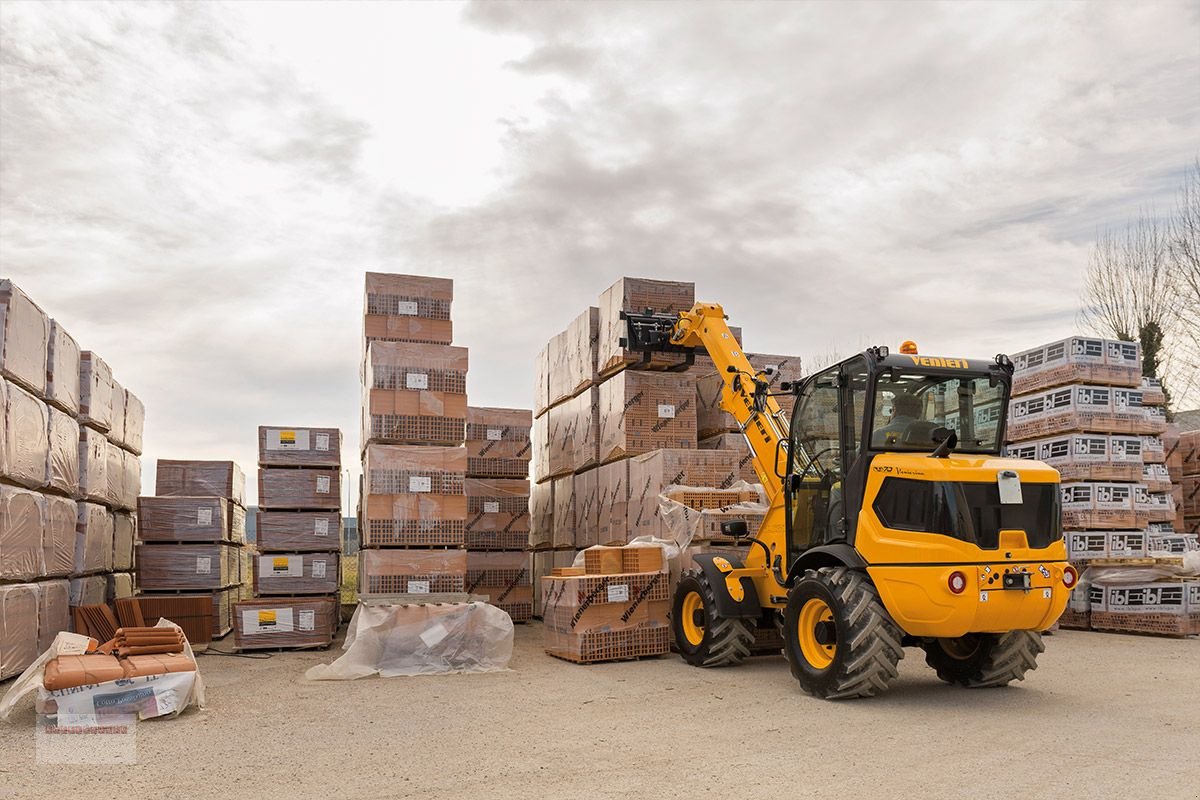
1080, 405
70, 437
613, 431
1189, 480
413, 504
297, 569
192, 553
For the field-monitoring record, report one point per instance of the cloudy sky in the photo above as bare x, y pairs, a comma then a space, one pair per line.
195, 190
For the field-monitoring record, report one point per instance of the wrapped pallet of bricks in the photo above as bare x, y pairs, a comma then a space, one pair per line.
1189, 480
645, 411
414, 496
637, 295
504, 579
414, 393
291, 623
415, 571
712, 420
497, 514
299, 521
407, 308
615, 611
652, 474
498, 442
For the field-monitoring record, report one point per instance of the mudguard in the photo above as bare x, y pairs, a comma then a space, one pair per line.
828, 555
726, 606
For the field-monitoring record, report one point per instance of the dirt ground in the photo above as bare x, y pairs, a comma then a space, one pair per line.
1104, 716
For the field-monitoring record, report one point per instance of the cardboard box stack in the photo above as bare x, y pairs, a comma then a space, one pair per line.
70, 473
612, 609
1081, 406
296, 571
413, 501
192, 541
612, 429
497, 525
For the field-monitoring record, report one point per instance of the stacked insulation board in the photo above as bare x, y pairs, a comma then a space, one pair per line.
70, 474
1082, 406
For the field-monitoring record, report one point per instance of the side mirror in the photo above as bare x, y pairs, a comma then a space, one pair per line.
735, 529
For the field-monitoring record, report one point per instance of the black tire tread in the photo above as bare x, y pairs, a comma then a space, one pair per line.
729, 638
1004, 659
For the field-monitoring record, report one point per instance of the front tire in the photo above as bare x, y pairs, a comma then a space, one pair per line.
984, 660
705, 638
839, 640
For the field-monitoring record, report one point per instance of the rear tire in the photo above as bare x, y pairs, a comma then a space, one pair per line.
984, 660
705, 638
839, 640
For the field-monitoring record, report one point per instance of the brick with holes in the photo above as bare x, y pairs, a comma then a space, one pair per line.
407, 308
414, 393
414, 496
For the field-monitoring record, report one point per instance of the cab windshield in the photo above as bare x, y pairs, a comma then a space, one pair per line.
911, 407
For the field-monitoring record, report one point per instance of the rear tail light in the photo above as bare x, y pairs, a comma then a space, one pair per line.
957, 582
1070, 576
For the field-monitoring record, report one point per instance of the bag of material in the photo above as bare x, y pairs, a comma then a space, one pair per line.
429, 639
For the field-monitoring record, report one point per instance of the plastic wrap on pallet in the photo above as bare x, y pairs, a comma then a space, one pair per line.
582, 340
414, 496
684, 524
18, 628
605, 617
395, 640
54, 610
115, 495
22, 531
95, 391
414, 393
637, 294
135, 422
299, 447
93, 539
645, 411
612, 503
411, 571
561, 421
586, 486
650, 474
539, 439
272, 622
26, 444
1082, 408
541, 381
124, 535
736, 443
88, 590
186, 566
297, 573
409, 308
118, 586
299, 488
497, 514
133, 480
24, 338
541, 515
585, 441
176, 478
498, 442
116, 428
93, 465
62, 463
559, 380
1077, 359
188, 519
58, 537
565, 510
301, 531
62, 370
503, 576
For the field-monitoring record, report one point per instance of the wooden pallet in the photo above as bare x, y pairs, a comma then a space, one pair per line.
1122, 562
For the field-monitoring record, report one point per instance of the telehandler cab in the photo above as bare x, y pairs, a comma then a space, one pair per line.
894, 521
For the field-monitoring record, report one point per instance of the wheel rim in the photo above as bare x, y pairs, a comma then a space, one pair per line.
816, 632
693, 609
963, 648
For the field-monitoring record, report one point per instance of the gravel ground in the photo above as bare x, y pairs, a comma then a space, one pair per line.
1104, 716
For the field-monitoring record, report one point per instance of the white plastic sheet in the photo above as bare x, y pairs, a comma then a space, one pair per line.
427, 639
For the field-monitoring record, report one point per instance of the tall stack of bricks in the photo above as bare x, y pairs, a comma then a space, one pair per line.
413, 502
1081, 406
192, 541
498, 524
1189, 480
614, 429
296, 571
70, 473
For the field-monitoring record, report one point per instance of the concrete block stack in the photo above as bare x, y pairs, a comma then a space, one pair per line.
1081, 406
70, 473
297, 569
497, 526
192, 539
608, 421
413, 502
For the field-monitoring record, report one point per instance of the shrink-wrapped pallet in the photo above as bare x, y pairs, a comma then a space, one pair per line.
54, 611
93, 539
735, 443
541, 381
593, 618
187, 566
414, 394
1094, 409
296, 573
587, 509
563, 422
498, 442
504, 579
135, 422
22, 529
116, 428
26, 446
124, 535
559, 380
612, 505
87, 591
274, 622
497, 514
95, 391
414, 496
653, 473
541, 515
119, 586
62, 370
132, 465
539, 438
299, 531
24, 339
115, 496
1077, 359
292, 446
190, 519
645, 411
177, 478
582, 344
18, 628
407, 308
300, 488
585, 441
93, 465
62, 462
565, 508
58, 537
411, 571
637, 295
